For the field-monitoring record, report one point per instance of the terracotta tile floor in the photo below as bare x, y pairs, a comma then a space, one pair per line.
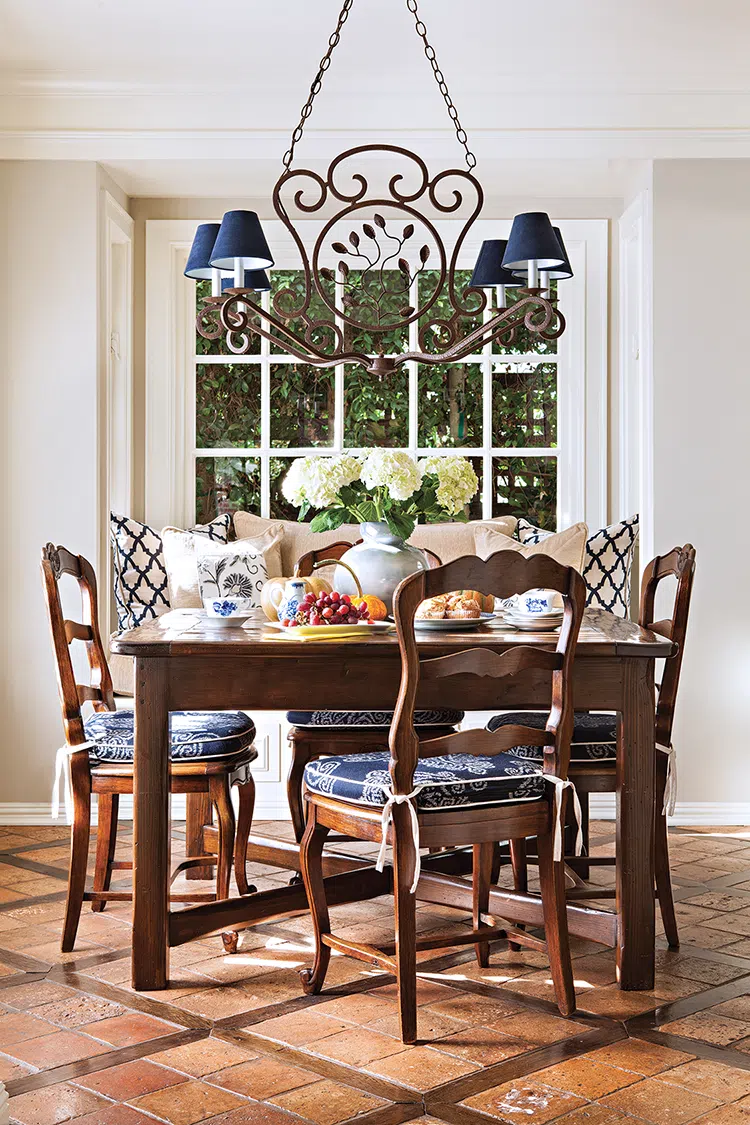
233, 1041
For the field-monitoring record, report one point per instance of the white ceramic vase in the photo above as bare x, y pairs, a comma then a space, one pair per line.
380, 562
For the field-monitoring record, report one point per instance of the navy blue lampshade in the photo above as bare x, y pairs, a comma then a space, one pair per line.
563, 272
241, 236
254, 279
489, 271
532, 239
199, 260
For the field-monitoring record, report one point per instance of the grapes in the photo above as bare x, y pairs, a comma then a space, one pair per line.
328, 609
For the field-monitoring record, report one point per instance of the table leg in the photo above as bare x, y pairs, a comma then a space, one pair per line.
636, 770
151, 835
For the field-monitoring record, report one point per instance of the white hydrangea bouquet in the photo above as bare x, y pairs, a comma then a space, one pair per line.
384, 486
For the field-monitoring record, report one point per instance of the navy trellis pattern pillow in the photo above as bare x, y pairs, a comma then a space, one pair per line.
141, 587
607, 562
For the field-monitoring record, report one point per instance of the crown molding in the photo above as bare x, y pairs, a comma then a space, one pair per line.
101, 144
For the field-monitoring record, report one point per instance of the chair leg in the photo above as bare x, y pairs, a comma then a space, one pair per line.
220, 796
552, 882
106, 839
482, 878
80, 771
520, 876
300, 757
199, 813
661, 859
584, 869
404, 858
311, 862
246, 793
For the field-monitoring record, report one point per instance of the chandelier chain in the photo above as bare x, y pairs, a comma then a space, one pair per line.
429, 50
325, 62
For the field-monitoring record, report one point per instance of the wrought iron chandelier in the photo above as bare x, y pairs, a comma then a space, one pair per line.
378, 263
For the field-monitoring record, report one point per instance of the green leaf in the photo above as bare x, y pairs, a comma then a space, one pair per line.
329, 520
400, 524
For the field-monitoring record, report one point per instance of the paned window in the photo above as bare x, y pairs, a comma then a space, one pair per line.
255, 413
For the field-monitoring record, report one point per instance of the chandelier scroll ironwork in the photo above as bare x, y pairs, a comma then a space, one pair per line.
379, 262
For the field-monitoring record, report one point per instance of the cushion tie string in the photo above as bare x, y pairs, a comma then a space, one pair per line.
387, 818
670, 789
561, 784
62, 776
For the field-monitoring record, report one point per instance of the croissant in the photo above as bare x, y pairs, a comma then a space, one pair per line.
433, 609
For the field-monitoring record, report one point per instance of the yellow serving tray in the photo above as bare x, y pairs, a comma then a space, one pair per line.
327, 632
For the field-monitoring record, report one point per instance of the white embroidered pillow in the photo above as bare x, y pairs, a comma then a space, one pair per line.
237, 570
181, 550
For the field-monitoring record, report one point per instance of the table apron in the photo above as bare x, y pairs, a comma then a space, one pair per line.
341, 682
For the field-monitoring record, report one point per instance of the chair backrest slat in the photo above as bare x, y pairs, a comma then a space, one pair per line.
75, 631
486, 662
56, 562
484, 742
503, 574
679, 563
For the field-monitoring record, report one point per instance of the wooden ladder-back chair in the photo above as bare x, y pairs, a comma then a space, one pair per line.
309, 740
105, 767
457, 789
593, 762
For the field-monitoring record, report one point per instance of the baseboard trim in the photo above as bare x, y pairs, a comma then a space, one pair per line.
601, 805
18, 813
687, 814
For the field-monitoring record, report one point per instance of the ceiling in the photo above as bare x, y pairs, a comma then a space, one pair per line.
183, 96
485, 47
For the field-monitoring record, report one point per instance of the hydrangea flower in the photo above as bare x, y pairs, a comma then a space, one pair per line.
398, 472
317, 480
457, 481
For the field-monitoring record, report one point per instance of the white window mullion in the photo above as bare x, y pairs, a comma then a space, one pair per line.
413, 369
265, 419
487, 481
339, 374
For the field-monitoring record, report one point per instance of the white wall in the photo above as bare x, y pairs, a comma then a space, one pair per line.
48, 336
701, 293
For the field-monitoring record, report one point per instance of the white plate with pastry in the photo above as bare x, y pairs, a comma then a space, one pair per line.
453, 624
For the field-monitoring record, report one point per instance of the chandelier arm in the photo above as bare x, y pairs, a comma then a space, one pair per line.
499, 325
301, 350
429, 50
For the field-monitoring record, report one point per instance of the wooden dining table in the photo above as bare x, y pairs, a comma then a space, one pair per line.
184, 662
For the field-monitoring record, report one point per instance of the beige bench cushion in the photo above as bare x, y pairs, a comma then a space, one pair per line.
447, 540
566, 547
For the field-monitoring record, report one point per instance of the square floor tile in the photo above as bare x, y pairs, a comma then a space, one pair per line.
327, 1103
660, 1102
525, 1099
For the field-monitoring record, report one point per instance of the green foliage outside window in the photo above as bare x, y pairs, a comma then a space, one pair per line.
302, 409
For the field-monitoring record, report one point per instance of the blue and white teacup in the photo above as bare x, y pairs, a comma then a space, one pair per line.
537, 603
228, 611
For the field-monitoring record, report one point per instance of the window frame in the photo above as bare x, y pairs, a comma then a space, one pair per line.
170, 448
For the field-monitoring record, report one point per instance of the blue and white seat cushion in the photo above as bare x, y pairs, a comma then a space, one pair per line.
332, 720
141, 586
450, 781
594, 736
192, 734
607, 562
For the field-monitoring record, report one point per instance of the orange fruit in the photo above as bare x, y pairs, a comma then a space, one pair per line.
378, 609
